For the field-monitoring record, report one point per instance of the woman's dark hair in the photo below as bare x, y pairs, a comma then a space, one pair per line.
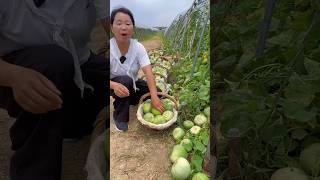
123, 10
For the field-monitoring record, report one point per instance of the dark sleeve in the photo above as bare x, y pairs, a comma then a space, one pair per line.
1, 17
5, 8
1, 13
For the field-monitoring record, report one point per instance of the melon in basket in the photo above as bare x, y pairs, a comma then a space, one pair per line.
168, 104
154, 116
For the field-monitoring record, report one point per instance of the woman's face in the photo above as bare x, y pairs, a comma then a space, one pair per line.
122, 27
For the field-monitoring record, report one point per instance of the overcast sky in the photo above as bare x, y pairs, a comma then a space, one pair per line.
153, 12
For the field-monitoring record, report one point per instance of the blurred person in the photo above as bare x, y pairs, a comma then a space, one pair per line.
127, 57
50, 81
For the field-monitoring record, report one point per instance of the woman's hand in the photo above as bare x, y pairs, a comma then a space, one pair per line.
34, 92
120, 90
157, 103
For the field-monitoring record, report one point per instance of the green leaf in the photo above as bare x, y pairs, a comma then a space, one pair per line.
196, 162
296, 111
259, 88
232, 85
300, 91
245, 59
246, 26
223, 45
280, 149
282, 39
225, 64
302, 20
274, 26
299, 65
315, 54
204, 136
315, 4
260, 117
313, 67
199, 146
218, 10
313, 36
289, 54
274, 134
203, 92
237, 119
197, 74
237, 97
302, 3
310, 140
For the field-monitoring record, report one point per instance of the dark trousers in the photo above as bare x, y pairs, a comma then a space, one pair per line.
37, 138
122, 105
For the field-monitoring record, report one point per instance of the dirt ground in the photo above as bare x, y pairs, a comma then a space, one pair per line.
140, 153
153, 43
74, 153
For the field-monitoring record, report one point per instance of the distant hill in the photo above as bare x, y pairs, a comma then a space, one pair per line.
143, 33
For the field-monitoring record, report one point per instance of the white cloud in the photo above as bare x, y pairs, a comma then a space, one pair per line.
154, 12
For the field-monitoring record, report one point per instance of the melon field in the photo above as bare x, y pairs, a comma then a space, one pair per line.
145, 152
266, 83
174, 144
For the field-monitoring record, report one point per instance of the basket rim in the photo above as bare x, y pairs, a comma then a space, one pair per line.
176, 104
156, 126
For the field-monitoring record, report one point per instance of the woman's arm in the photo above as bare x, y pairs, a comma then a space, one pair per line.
156, 102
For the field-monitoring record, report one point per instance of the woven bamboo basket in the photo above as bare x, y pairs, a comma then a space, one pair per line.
157, 126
